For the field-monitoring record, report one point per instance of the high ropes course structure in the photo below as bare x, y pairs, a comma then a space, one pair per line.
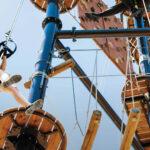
39, 130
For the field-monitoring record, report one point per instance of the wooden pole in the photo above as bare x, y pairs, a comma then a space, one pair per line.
62, 67
130, 129
92, 130
54, 71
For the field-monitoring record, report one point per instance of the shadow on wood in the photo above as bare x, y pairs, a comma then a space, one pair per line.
40, 130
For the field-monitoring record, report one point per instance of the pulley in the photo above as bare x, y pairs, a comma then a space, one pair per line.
4, 49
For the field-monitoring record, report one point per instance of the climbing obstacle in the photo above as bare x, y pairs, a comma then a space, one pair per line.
44, 130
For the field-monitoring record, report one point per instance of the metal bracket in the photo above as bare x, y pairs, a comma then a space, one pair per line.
40, 73
74, 34
52, 19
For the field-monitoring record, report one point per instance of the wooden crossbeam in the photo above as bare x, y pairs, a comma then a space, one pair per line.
130, 129
54, 71
92, 130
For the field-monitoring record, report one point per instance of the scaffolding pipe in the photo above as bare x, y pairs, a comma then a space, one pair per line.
67, 34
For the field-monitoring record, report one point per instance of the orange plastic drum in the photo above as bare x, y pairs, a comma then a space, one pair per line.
64, 5
50, 134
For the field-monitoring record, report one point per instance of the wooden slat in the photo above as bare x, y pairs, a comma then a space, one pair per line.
55, 71
131, 127
92, 130
62, 67
144, 135
63, 5
54, 142
5, 125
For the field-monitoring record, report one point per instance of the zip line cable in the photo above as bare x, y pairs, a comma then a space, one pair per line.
75, 104
13, 24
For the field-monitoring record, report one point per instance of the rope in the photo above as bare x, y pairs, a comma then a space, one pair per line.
91, 76
75, 105
146, 12
12, 26
123, 108
131, 82
73, 16
90, 95
96, 82
128, 65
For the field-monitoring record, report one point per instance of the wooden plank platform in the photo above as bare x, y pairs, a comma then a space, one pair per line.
64, 5
48, 131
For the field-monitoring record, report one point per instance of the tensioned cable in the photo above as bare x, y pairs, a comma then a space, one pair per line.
12, 26
123, 108
75, 104
131, 81
91, 76
127, 66
96, 82
146, 11
74, 17
90, 95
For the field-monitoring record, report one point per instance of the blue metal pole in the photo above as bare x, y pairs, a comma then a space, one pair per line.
40, 79
143, 44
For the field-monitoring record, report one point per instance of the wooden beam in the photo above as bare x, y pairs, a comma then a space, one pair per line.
130, 129
54, 71
62, 67
92, 130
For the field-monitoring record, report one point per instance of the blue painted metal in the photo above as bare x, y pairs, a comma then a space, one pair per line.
40, 80
143, 44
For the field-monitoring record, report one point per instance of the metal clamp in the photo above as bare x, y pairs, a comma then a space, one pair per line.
63, 51
52, 19
40, 73
74, 34
144, 57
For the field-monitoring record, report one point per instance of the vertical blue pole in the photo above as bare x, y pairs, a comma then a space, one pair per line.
40, 80
144, 51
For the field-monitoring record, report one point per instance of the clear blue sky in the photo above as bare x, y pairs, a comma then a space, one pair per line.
28, 35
